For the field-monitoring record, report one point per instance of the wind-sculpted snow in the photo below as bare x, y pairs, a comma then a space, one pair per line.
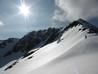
75, 52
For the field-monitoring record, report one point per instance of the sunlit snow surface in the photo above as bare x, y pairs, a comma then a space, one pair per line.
72, 55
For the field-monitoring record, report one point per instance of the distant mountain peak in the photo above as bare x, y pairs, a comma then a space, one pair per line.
85, 24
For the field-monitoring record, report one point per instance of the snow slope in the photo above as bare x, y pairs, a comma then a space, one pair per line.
80, 59
73, 53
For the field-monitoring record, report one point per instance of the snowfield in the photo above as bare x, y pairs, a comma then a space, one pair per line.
73, 53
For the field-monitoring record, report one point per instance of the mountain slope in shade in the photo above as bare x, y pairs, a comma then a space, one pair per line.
75, 52
13, 49
7, 45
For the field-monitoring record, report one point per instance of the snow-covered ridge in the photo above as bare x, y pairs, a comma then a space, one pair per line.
69, 54
85, 24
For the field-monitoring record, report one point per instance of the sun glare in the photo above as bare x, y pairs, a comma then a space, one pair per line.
24, 10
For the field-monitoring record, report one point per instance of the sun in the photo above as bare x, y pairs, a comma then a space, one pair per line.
24, 10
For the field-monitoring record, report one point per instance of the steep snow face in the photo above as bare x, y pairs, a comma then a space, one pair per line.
74, 53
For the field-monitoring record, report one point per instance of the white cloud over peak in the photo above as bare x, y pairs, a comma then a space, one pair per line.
74, 9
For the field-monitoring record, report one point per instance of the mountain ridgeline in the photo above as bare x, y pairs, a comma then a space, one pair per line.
38, 39
13, 48
33, 41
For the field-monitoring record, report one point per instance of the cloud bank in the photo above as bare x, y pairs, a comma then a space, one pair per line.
75, 9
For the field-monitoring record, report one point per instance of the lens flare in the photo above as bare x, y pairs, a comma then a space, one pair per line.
24, 10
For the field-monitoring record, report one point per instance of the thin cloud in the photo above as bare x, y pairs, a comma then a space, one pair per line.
1, 23
59, 14
74, 9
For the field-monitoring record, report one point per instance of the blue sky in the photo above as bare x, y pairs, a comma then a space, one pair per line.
13, 24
